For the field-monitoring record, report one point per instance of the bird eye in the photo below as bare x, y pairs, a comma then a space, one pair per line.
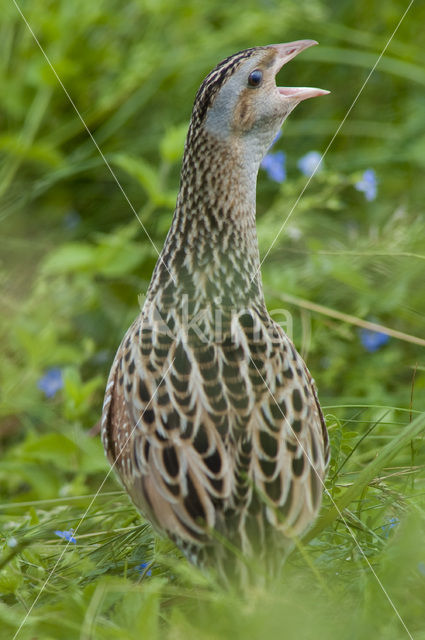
255, 78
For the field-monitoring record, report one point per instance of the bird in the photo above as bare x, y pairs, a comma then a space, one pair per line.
211, 418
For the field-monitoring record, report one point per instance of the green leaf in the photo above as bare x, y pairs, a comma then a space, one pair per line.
369, 473
172, 143
147, 177
10, 580
35, 152
77, 394
75, 256
51, 447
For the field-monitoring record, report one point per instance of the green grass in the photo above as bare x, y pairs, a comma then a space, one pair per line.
74, 260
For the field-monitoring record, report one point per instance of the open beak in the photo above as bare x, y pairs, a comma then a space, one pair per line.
286, 52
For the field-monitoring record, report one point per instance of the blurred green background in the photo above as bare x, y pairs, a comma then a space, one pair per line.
74, 259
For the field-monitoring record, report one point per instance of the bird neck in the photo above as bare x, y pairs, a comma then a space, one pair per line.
211, 252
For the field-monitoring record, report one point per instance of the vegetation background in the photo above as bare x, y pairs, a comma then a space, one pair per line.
80, 564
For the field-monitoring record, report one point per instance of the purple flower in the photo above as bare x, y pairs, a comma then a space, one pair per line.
388, 526
368, 184
310, 163
274, 165
141, 568
67, 535
373, 340
51, 382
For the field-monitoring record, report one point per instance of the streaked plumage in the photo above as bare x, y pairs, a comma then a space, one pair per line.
211, 417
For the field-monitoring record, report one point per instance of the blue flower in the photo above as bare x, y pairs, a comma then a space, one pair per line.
421, 568
67, 535
274, 165
141, 568
388, 526
51, 382
310, 163
276, 138
368, 184
71, 219
373, 340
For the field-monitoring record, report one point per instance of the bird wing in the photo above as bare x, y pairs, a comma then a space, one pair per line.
199, 430
290, 447
165, 444
282, 450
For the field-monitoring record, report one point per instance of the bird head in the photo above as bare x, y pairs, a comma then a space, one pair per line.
240, 102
